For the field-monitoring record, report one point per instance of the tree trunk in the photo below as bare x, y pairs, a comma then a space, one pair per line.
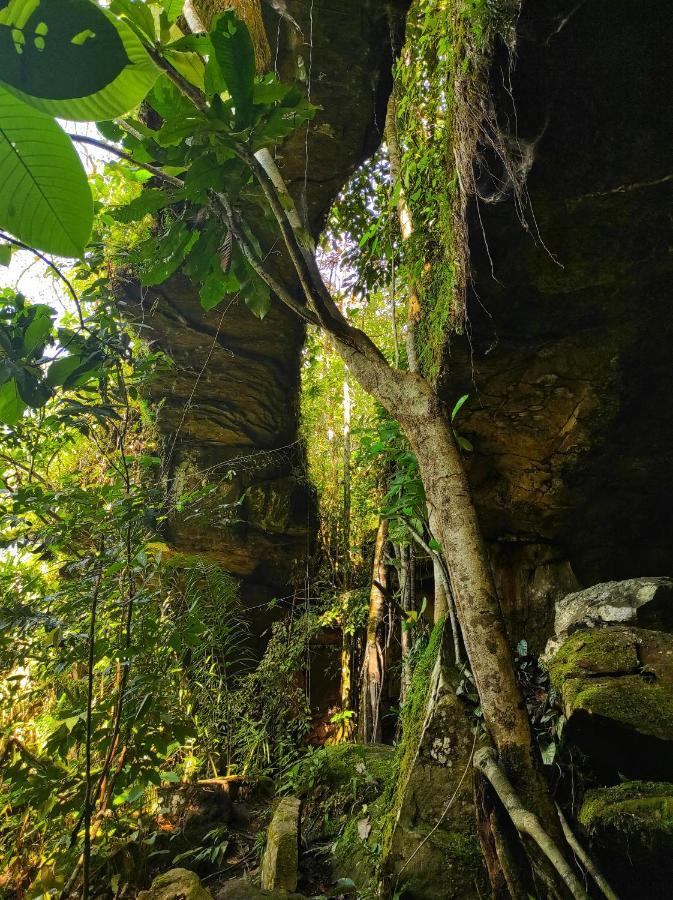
407, 576
373, 668
346, 530
413, 402
345, 732
453, 520
441, 606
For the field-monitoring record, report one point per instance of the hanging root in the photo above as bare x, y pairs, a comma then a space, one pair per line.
526, 822
585, 859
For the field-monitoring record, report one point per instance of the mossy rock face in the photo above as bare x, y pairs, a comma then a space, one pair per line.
630, 828
617, 691
430, 848
176, 884
600, 651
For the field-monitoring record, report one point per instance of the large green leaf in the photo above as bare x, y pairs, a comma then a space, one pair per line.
172, 8
139, 15
59, 49
68, 370
89, 97
167, 254
45, 199
235, 57
11, 404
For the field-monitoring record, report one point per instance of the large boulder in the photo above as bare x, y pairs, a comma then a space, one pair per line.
616, 686
630, 830
280, 866
647, 602
176, 884
342, 787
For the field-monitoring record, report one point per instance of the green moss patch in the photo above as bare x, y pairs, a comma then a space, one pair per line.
635, 813
631, 700
600, 651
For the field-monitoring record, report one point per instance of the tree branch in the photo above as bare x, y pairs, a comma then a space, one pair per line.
585, 859
191, 92
115, 151
451, 605
283, 294
55, 269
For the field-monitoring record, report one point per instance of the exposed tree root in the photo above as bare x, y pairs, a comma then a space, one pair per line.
585, 859
526, 822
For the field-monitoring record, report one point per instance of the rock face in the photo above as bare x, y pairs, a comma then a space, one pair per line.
176, 884
616, 685
630, 829
647, 602
233, 391
280, 866
568, 357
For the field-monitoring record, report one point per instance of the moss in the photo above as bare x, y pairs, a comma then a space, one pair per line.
343, 766
412, 720
437, 303
630, 827
600, 651
631, 700
357, 858
449, 48
459, 848
640, 810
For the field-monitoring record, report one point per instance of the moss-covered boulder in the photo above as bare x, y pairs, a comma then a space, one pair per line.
630, 828
430, 847
337, 765
341, 786
616, 686
337, 780
176, 884
280, 866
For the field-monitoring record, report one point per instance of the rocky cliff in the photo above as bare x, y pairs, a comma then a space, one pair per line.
567, 354
229, 408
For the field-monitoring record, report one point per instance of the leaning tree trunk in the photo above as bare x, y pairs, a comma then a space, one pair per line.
373, 665
453, 520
